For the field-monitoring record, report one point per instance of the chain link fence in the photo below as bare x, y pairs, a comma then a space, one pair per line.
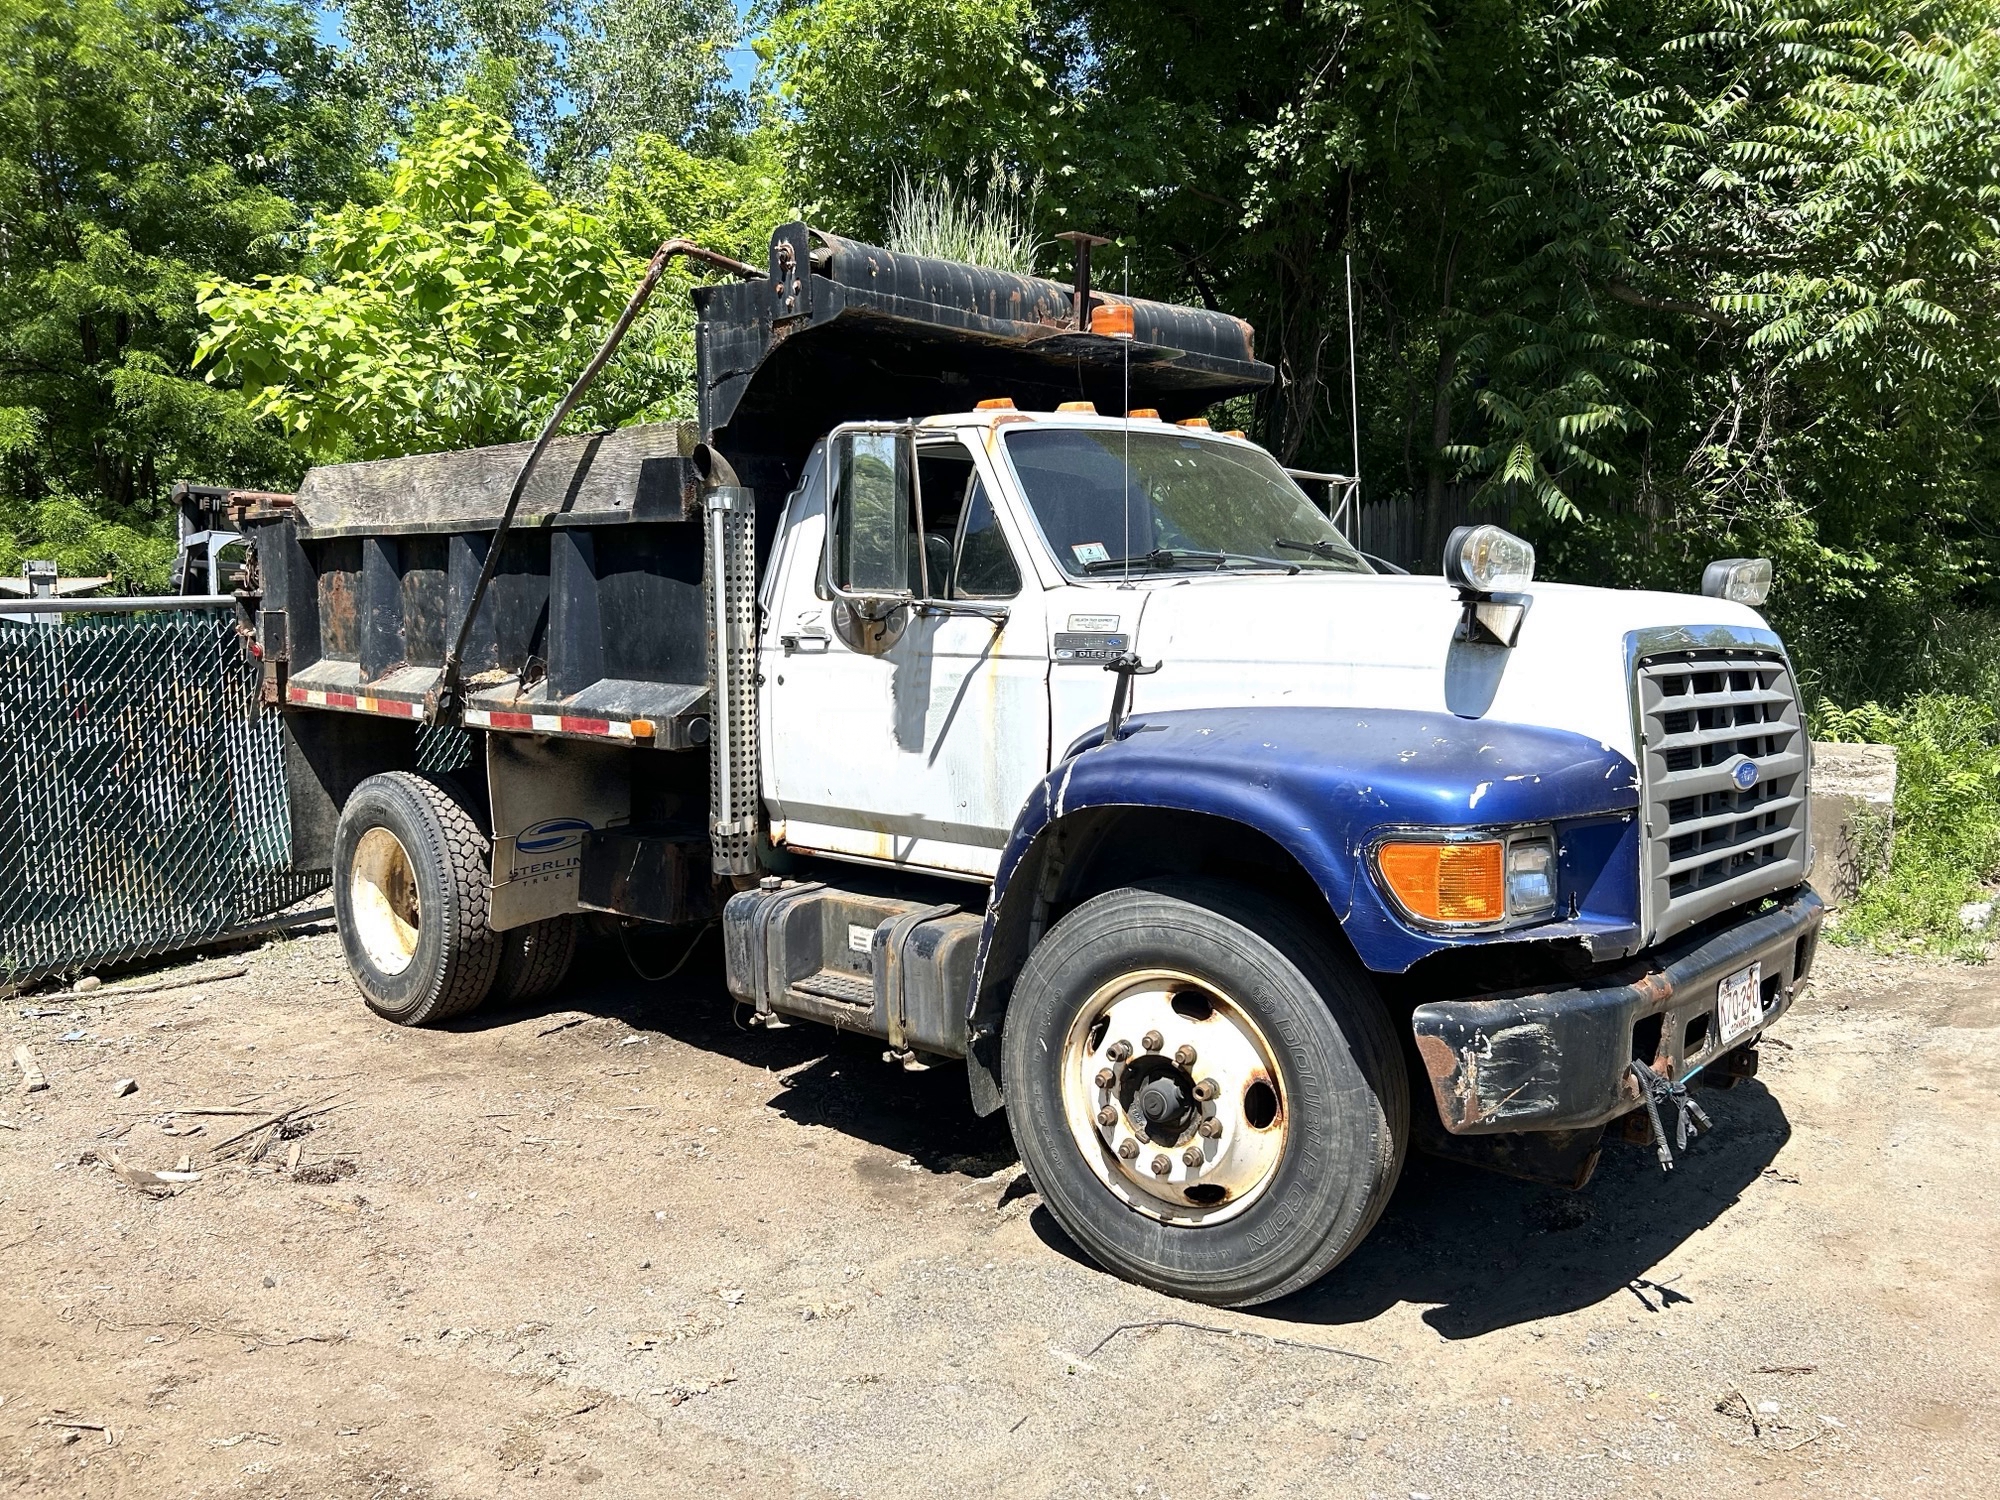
142, 796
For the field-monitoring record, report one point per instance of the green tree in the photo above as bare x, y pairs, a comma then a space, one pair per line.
457, 310
144, 144
576, 78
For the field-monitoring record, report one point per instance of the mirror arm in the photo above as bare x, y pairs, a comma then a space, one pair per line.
996, 614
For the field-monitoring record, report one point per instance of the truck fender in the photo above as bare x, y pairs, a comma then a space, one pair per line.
1322, 783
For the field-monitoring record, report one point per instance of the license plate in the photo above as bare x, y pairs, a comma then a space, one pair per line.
1739, 1002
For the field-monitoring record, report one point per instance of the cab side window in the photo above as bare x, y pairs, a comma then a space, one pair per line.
985, 567
965, 552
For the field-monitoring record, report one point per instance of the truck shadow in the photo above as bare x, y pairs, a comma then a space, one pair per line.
833, 1079
1484, 1252
1491, 1252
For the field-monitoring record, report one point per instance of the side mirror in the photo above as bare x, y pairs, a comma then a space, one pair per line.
870, 520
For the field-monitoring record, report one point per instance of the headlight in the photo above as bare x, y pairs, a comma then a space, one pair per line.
1741, 580
1531, 877
1469, 879
1488, 560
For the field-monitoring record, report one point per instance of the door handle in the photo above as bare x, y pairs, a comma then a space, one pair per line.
808, 638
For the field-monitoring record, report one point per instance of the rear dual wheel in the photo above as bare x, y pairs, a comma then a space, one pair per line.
1207, 1095
410, 899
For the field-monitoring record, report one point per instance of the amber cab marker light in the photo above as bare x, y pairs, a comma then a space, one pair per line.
995, 403
1446, 882
1113, 319
1201, 422
1089, 408
1143, 414
1236, 432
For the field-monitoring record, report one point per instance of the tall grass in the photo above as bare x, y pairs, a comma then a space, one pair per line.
993, 226
1947, 823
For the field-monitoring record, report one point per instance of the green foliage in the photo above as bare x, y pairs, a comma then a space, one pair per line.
68, 531
452, 314
1947, 823
876, 89
144, 145
577, 78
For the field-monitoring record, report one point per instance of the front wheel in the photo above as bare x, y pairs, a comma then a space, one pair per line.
1207, 1095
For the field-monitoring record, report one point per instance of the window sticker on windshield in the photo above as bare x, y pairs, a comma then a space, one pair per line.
1089, 552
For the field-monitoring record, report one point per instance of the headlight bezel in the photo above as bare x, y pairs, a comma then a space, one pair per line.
1525, 838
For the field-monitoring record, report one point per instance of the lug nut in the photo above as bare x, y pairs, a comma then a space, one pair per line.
1162, 1166
1207, 1089
1119, 1051
1128, 1149
1105, 1078
1209, 1128
1107, 1116
1184, 1057
1192, 1156
1152, 1041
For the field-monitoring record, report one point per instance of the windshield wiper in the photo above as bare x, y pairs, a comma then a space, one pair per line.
1159, 557
1321, 549
1170, 557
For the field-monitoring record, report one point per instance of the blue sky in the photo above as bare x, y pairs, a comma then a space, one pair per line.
742, 61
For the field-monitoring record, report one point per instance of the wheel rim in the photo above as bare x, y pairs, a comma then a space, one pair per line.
382, 890
1173, 1095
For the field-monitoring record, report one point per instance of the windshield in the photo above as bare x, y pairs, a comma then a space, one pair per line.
1189, 503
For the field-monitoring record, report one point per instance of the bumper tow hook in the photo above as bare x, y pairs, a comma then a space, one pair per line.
1657, 1091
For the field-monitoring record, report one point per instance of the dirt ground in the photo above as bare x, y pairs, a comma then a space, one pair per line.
623, 1242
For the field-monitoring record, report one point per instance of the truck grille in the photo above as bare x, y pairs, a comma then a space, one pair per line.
1711, 842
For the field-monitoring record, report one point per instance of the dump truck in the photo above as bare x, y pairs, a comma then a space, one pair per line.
998, 707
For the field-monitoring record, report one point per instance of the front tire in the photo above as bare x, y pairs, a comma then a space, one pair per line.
1247, 1133
410, 899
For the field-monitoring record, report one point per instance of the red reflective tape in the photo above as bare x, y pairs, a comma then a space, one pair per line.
586, 726
511, 721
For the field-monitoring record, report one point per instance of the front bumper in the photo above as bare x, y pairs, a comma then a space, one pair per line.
1560, 1059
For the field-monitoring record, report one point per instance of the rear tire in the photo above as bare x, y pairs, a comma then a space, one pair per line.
410, 898
534, 960
1246, 1172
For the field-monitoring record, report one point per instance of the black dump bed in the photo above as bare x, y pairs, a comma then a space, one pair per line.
594, 624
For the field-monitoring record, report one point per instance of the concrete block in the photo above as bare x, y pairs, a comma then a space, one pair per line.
1853, 815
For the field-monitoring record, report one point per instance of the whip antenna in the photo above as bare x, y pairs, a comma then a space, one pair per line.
1125, 471
1353, 507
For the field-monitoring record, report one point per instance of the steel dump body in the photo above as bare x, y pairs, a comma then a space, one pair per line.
593, 620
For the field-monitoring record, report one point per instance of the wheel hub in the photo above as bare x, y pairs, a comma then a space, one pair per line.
382, 892
1162, 1102
1171, 1093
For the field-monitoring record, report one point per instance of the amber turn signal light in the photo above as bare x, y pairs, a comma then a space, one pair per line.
1434, 881
1113, 319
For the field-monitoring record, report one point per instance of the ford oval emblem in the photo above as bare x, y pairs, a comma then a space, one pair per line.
1745, 775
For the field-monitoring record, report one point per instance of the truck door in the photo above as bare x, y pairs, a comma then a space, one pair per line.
913, 740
